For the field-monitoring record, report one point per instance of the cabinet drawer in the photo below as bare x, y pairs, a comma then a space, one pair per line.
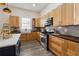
23, 37
71, 53
72, 45
56, 49
57, 41
72, 48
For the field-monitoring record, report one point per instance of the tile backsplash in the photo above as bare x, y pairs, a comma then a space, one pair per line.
69, 30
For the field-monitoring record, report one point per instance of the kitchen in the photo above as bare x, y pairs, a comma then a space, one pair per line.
39, 29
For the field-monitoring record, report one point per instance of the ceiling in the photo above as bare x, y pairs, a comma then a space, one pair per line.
29, 6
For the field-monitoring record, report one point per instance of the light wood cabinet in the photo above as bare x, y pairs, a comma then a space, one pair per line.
33, 22
14, 21
56, 45
57, 16
63, 47
72, 48
23, 37
34, 35
37, 22
63, 14
29, 36
70, 14
67, 14
76, 14
38, 36
50, 14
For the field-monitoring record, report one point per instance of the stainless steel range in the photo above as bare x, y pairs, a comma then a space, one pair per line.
43, 40
45, 31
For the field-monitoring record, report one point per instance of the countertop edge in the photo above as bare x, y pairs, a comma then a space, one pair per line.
67, 37
12, 40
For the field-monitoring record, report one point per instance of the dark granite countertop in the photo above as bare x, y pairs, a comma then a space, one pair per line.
67, 25
67, 37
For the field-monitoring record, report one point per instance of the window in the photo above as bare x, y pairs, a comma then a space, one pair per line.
26, 24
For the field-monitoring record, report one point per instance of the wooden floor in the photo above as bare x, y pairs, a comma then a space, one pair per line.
33, 48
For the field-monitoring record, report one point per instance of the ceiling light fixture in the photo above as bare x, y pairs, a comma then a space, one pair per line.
6, 9
34, 5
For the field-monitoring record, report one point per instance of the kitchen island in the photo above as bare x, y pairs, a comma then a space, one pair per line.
10, 46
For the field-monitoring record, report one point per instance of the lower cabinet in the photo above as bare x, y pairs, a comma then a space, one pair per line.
56, 45
38, 36
29, 36
23, 37
72, 48
63, 47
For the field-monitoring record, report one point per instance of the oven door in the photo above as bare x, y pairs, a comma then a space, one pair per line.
43, 41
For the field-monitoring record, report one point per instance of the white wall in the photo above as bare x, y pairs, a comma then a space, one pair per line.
50, 7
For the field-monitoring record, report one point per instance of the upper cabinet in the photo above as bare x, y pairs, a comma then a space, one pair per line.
33, 22
76, 13
56, 16
63, 14
67, 14
14, 21
36, 22
70, 14
51, 14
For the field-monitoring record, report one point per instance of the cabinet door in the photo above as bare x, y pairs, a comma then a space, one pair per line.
35, 35
76, 15
11, 21
38, 36
50, 14
37, 22
14, 21
56, 45
17, 22
57, 16
70, 13
67, 14
63, 14
72, 48
23, 37
32, 36
33, 22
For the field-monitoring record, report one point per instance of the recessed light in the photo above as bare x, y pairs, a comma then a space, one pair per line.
34, 5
